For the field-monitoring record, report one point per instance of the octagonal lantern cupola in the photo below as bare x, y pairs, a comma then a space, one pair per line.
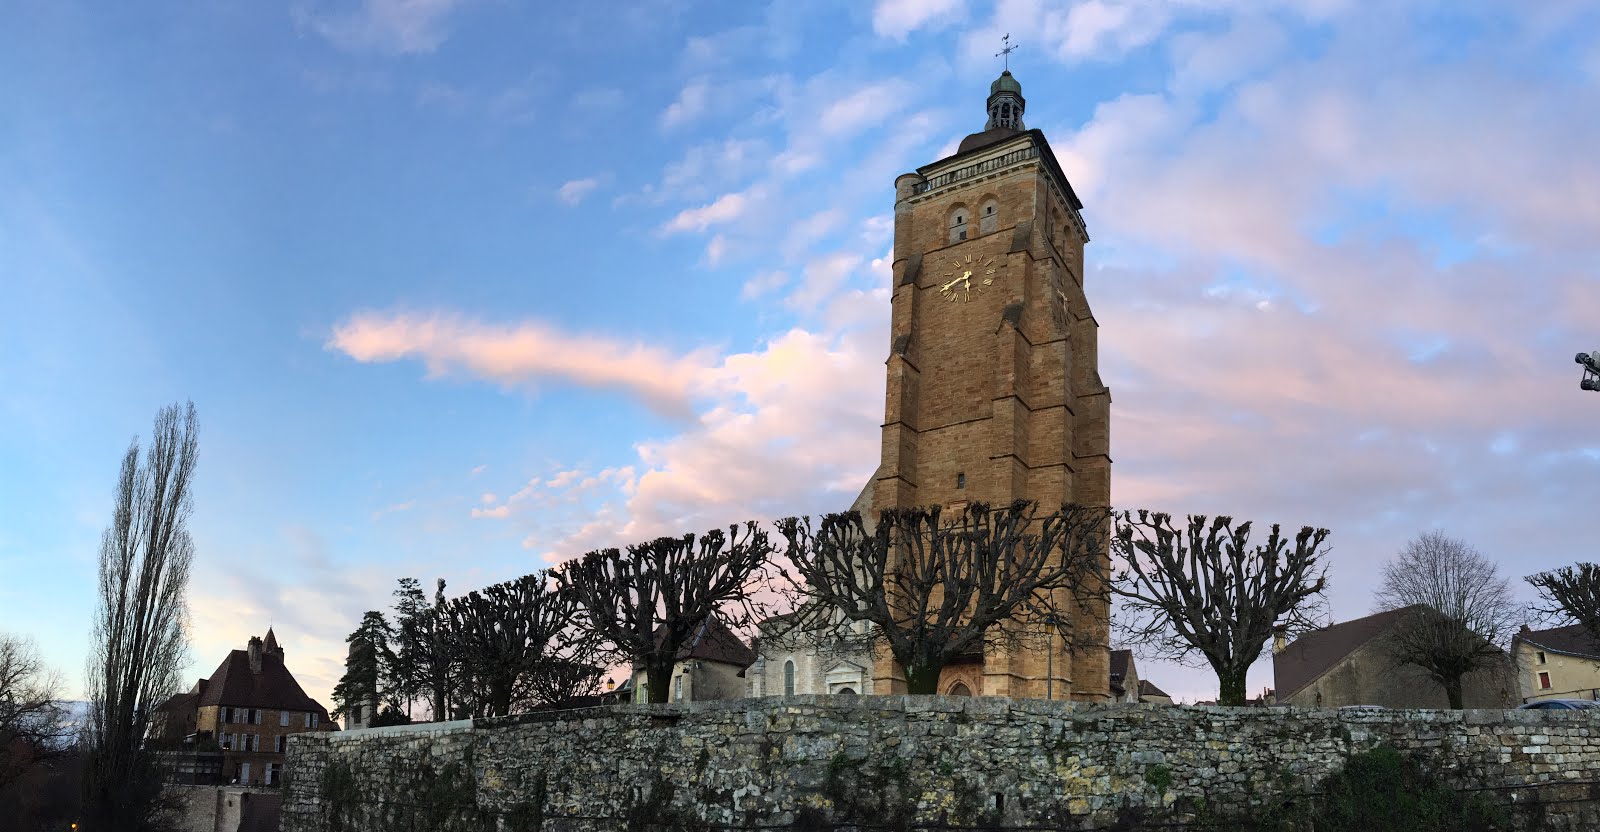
1005, 103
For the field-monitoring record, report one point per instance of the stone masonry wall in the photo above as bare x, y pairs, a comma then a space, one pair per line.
821, 762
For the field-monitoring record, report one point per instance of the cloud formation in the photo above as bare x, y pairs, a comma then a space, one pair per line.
390, 26
522, 355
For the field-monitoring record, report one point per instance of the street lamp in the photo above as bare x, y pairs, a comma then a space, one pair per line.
1591, 371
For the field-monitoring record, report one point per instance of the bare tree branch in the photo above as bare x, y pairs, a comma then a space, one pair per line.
1205, 590
935, 589
1465, 616
33, 724
138, 641
507, 635
648, 601
1570, 594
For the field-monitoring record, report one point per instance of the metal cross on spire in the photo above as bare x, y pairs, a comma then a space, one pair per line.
1006, 52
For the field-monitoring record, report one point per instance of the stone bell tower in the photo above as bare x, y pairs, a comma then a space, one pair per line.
994, 390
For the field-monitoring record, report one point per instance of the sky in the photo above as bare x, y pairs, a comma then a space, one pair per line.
463, 288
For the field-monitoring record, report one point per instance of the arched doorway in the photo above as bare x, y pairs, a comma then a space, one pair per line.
843, 691
958, 689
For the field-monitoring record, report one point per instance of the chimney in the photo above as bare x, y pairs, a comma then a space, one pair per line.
255, 654
1280, 638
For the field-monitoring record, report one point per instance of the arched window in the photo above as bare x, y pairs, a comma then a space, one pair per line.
958, 689
989, 216
788, 678
958, 225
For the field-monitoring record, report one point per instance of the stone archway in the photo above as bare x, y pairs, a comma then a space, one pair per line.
844, 691
958, 689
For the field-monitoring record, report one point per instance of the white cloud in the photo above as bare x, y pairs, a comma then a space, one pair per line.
392, 26
724, 209
898, 18
871, 105
762, 284
575, 191
690, 104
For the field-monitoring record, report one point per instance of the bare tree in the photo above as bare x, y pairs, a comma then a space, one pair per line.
1571, 593
33, 724
648, 601
508, 634
1205, 590
934, 589
137, 644
1466, 615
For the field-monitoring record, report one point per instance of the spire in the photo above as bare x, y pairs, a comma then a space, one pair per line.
1006, 103
269, 645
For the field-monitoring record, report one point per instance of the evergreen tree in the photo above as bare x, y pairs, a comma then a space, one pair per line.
367, 679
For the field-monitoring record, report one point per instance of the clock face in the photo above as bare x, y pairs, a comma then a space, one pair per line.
967, 276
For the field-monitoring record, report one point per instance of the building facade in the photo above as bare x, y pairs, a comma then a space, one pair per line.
245, 711
1352, 663
993, 387
710, 666
1560, 663
795, 663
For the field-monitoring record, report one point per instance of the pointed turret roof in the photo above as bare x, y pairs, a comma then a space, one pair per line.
270, 643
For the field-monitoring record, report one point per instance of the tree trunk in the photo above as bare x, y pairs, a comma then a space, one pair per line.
1232, 687
658, 679
923, 677
1452, 690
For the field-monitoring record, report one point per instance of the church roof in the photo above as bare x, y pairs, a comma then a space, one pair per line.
1005, 83
978, 142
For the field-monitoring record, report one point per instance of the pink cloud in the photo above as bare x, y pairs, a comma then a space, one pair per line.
522, 354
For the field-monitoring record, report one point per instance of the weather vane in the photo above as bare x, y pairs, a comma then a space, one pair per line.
1006, 52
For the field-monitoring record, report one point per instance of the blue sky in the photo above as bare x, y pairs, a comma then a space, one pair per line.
462, 288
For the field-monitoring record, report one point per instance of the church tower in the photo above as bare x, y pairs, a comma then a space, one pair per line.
994, 390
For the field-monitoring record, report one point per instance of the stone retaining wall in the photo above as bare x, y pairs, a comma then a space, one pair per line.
822, 762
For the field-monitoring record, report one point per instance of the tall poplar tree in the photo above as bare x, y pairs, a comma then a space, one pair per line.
137, 643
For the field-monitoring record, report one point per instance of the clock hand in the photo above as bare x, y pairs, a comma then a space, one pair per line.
952, 283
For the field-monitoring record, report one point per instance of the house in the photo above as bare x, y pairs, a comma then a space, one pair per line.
1563, 663
709, 666
1126, 686
1351, 663
236, 723
792, 662
1148, 692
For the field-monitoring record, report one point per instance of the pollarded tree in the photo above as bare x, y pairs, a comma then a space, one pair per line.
933, 589
506, 635
1205, 590
647, 601
1465, 613
1571, 593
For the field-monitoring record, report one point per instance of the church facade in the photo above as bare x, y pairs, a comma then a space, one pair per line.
993, 388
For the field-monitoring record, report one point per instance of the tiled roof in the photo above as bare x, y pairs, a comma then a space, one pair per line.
1316, 652
1119, 669
1572, 640
714, 642
1147, 688
235, 683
